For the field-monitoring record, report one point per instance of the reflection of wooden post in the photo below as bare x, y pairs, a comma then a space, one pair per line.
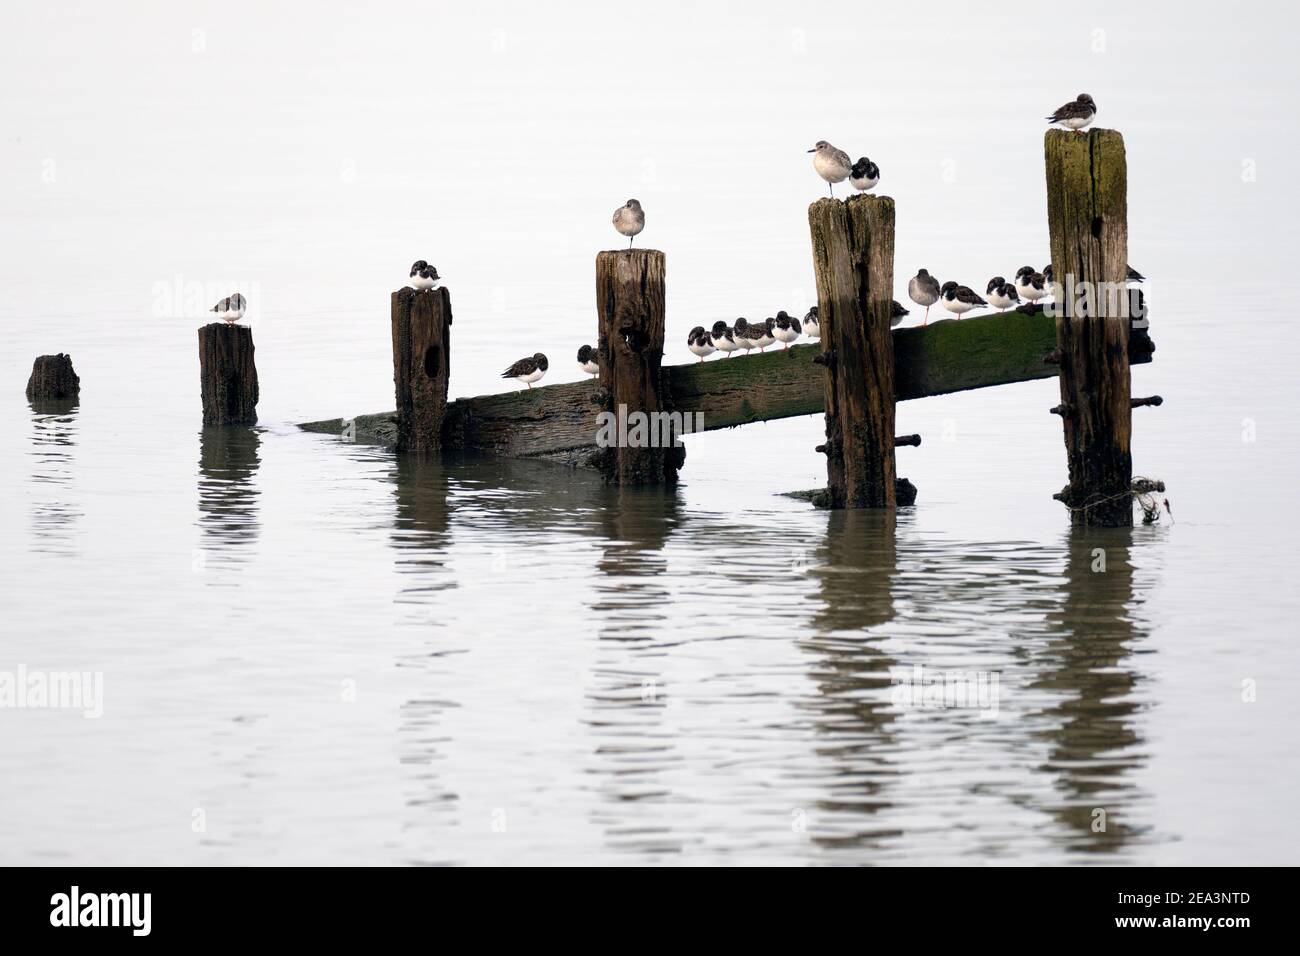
228, 374
1087, 213
630, 306
853, 257
421, 365
53, 378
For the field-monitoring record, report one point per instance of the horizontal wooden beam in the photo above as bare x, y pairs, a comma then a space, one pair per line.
559, 421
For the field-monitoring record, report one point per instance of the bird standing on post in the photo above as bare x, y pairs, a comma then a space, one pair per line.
423, 276
923, 289
832, 165
528, 370
864, 175
1076, 114
230, 308
629, 220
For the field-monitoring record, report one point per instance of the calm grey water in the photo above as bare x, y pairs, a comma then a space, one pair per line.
317, 652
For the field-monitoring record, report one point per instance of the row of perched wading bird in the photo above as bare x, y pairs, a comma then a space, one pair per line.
834, 166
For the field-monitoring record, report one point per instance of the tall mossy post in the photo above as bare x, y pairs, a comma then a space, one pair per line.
53, 379
1087, 212
228, 374
630, 306
421, 365
853, 257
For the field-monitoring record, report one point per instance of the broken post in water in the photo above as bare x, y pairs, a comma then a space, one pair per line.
853, 257
228, 374
53, 378
1087, 212
421, 365
630, 307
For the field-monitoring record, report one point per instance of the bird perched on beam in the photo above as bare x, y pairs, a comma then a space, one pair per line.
960, 299
896, 312
923, 289
812, 324
629, 220
1002, 294
1031, 285
528, 370
724, 339
700, 342
786, 328
1076, 114
587, 360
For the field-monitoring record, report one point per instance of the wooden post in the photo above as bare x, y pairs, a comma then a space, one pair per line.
53, 378
228, 374
630, 306
421, 365
853, 256
1087, 213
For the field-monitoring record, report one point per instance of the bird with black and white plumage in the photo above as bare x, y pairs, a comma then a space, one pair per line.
700, 342
629, 220
1076, 114
761, 334
724, 340
1031, 285
423, 276
812, 324
864, 175
786, 328
831, 164
1002, 294
528, 370
231, 308
896, 312
960, 299
923, 289
587, 360
741, 333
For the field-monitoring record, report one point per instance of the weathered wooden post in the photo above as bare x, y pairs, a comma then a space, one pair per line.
1087, 213
630, 306
421, 365
853, 256
228, 374
53, 378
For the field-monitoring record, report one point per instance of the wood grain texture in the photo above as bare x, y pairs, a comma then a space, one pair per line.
558, 422
421, 327
853, 260
1087, 211
228, 374
53, 379
630, 346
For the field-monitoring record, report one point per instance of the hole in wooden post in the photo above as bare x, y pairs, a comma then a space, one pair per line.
1096, 227
431, 357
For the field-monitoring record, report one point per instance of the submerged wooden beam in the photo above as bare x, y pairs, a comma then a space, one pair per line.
557, 421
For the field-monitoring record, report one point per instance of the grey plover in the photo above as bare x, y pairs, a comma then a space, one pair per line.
832, 165
629, 220
528, 370
960, 299
923, 289
1075, 114
864, 175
